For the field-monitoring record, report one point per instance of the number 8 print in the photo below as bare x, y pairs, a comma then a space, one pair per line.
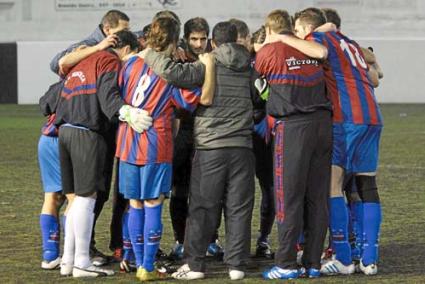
139, 93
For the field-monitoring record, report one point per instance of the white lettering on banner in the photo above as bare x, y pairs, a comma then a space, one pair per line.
87, 5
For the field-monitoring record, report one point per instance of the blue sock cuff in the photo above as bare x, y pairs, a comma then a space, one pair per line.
152, 234
339, 229
372, 217
50, 236
136, 224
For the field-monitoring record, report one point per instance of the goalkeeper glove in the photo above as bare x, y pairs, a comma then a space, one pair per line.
263, 88
137, 118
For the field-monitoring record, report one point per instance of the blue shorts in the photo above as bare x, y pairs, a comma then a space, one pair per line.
48, 158
356, 147
144, 182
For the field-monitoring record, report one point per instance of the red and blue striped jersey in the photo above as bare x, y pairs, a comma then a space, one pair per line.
347, 80
49, 128
142, 88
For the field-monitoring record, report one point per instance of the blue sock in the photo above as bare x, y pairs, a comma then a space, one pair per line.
371, 225
339, 229
50, 234
127, 247
136, 220
357, 217
152, 233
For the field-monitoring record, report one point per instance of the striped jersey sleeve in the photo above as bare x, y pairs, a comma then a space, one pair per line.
347, 80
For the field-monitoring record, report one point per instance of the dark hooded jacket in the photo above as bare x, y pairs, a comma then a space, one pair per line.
228, 122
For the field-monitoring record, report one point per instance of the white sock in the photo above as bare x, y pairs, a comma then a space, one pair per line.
69, 243
83, 223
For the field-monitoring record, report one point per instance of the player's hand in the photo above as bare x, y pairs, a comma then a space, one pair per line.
179, 54
207, 59
327, 27
109, 41
138, 119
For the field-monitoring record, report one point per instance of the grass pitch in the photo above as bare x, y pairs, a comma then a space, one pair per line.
401, 182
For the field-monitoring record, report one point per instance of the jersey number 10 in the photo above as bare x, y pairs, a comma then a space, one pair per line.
357, 57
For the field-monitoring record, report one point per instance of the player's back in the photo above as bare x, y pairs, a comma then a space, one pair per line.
296, 81
88, 93
142, 88
347, 80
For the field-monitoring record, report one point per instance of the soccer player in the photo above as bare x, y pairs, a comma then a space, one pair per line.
195, 39
48, 157
102, 37
357, 126
146, 159
89, 100
302, 149
223, 165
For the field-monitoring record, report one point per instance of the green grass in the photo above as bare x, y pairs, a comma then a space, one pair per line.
401, 181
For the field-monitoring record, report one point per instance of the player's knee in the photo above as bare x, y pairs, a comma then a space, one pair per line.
136, 203
367, 188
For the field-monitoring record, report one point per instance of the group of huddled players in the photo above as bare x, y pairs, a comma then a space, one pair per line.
194, 120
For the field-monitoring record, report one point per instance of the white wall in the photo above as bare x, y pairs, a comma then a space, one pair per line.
34, 75
395, 28
403, 64
401, 61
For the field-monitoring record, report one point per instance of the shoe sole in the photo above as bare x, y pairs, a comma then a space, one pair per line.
90, 273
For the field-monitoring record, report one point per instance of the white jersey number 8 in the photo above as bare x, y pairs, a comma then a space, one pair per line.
139, 93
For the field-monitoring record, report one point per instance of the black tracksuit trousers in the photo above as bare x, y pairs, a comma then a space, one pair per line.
221, 178
302, 164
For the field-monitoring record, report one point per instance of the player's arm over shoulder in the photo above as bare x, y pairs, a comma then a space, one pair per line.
310, 48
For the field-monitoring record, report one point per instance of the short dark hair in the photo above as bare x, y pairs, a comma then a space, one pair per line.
164, 31
311, 16
259, 36
241, 27
224, 32
112, 18
197, 24
142, 34
332, 17
167, 14
146, 29
127, 38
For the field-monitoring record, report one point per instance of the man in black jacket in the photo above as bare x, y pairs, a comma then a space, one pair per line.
223, 164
